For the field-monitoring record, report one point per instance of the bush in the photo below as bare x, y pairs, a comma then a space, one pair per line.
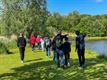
3, 48
12, 44
6, 45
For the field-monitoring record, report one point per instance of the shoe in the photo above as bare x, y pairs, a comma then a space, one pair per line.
21, 61
65, 66
80, 68
68, 65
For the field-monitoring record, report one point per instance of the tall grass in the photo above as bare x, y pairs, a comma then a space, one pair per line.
6, 45
3, 47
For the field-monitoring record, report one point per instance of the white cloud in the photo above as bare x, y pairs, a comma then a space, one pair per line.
98, 1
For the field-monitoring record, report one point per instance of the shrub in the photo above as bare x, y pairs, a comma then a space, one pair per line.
6, 45
3, 48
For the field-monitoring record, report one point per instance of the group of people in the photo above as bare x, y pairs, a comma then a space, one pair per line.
43, 43
60, 45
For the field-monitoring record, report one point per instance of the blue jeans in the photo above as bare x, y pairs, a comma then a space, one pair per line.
60, 59
81, 56
39, 46
55, 56
47, 51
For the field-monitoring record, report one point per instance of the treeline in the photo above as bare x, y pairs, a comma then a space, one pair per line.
23, 16
91, 25
32, 16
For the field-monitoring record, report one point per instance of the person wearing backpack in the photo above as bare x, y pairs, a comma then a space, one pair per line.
80, 48
58, 39
47, 45
21, 43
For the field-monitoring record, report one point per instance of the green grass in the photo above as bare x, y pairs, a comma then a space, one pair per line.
39, 67
95, 38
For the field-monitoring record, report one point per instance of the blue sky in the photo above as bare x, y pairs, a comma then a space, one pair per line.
64, 7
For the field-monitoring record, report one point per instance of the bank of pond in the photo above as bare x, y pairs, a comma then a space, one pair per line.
98, 46
95, 44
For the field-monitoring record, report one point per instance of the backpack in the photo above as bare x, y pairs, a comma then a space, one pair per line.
58, 41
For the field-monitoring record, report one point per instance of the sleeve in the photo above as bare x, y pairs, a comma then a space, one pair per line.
50, 42
77, 42
63, 36
69, 47
18, 42
25, 42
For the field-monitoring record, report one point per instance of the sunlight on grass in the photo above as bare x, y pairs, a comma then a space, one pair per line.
39, 67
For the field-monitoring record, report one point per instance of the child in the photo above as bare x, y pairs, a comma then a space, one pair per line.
66, 50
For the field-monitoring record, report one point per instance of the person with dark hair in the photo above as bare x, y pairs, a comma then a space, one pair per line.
47, 45
35, 35
54, 51
80, 48
58, 39
21, 43
38, 40
67, 50
42, 43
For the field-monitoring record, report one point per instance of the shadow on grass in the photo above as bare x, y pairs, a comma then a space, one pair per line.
47, 70
34, 60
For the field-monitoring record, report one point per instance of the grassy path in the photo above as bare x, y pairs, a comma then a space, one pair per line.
39, 67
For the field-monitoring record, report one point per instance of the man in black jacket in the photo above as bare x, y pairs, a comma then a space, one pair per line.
80, 48
21, 43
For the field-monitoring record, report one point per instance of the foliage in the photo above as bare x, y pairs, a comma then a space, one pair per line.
7, 45
39, 67
24, 16
3, 47
32, 16
91, 25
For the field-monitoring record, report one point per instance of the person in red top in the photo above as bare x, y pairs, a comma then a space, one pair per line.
32, 42
38, 40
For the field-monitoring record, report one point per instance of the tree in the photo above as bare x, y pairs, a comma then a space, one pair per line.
24, 16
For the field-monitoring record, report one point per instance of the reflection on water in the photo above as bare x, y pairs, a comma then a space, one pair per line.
99, 46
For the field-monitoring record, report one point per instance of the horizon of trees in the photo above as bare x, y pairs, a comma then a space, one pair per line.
23, 16
92, 25
32, 16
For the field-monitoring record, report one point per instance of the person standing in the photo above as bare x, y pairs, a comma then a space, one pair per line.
80, 48
58, 39
54, 51
21, 43
38, 40
42, 43
32, 42
35, 35
47, 45
67, 50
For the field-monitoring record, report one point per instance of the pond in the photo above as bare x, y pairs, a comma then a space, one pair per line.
99, 46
